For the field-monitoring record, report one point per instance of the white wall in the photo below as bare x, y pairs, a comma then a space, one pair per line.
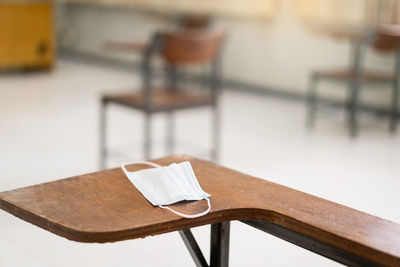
275, 53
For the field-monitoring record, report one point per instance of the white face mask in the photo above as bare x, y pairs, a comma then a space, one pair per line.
165, 185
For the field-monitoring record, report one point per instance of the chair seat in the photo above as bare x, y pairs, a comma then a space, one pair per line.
161, 100
345, 75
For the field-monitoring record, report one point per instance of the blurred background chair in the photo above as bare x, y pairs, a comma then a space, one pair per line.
177, 49
385, 39
183, 22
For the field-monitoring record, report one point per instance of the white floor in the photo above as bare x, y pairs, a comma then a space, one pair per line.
49, 125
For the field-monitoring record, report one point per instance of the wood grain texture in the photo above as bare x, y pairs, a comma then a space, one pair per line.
105, 207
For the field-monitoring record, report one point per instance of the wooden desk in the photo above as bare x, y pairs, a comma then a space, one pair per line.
105, 207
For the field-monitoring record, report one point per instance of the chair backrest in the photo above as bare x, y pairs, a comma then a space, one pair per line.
382, 38
195, 22
387, 38
182, 49
190, 47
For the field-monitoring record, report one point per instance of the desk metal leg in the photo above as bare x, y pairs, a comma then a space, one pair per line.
220, 244
310, 244
193, 248
102, 135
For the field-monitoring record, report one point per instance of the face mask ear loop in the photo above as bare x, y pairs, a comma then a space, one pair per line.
152, 164
190, 216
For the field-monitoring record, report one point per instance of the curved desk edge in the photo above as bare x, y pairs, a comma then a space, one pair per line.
291, 215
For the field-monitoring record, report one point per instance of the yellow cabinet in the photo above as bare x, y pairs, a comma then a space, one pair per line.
26, 34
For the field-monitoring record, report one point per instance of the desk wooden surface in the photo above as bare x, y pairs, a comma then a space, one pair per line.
105, 207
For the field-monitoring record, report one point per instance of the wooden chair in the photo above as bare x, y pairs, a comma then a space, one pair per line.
177, 49
194, 22
385, 40
183, 22
105, 207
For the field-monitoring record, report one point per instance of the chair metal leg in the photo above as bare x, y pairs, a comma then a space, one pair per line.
102, 136
219, 256
353, 109
395, 107
170, 140
216, 131
147, 136
312, 102
357, 55
348, 101
395, 95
